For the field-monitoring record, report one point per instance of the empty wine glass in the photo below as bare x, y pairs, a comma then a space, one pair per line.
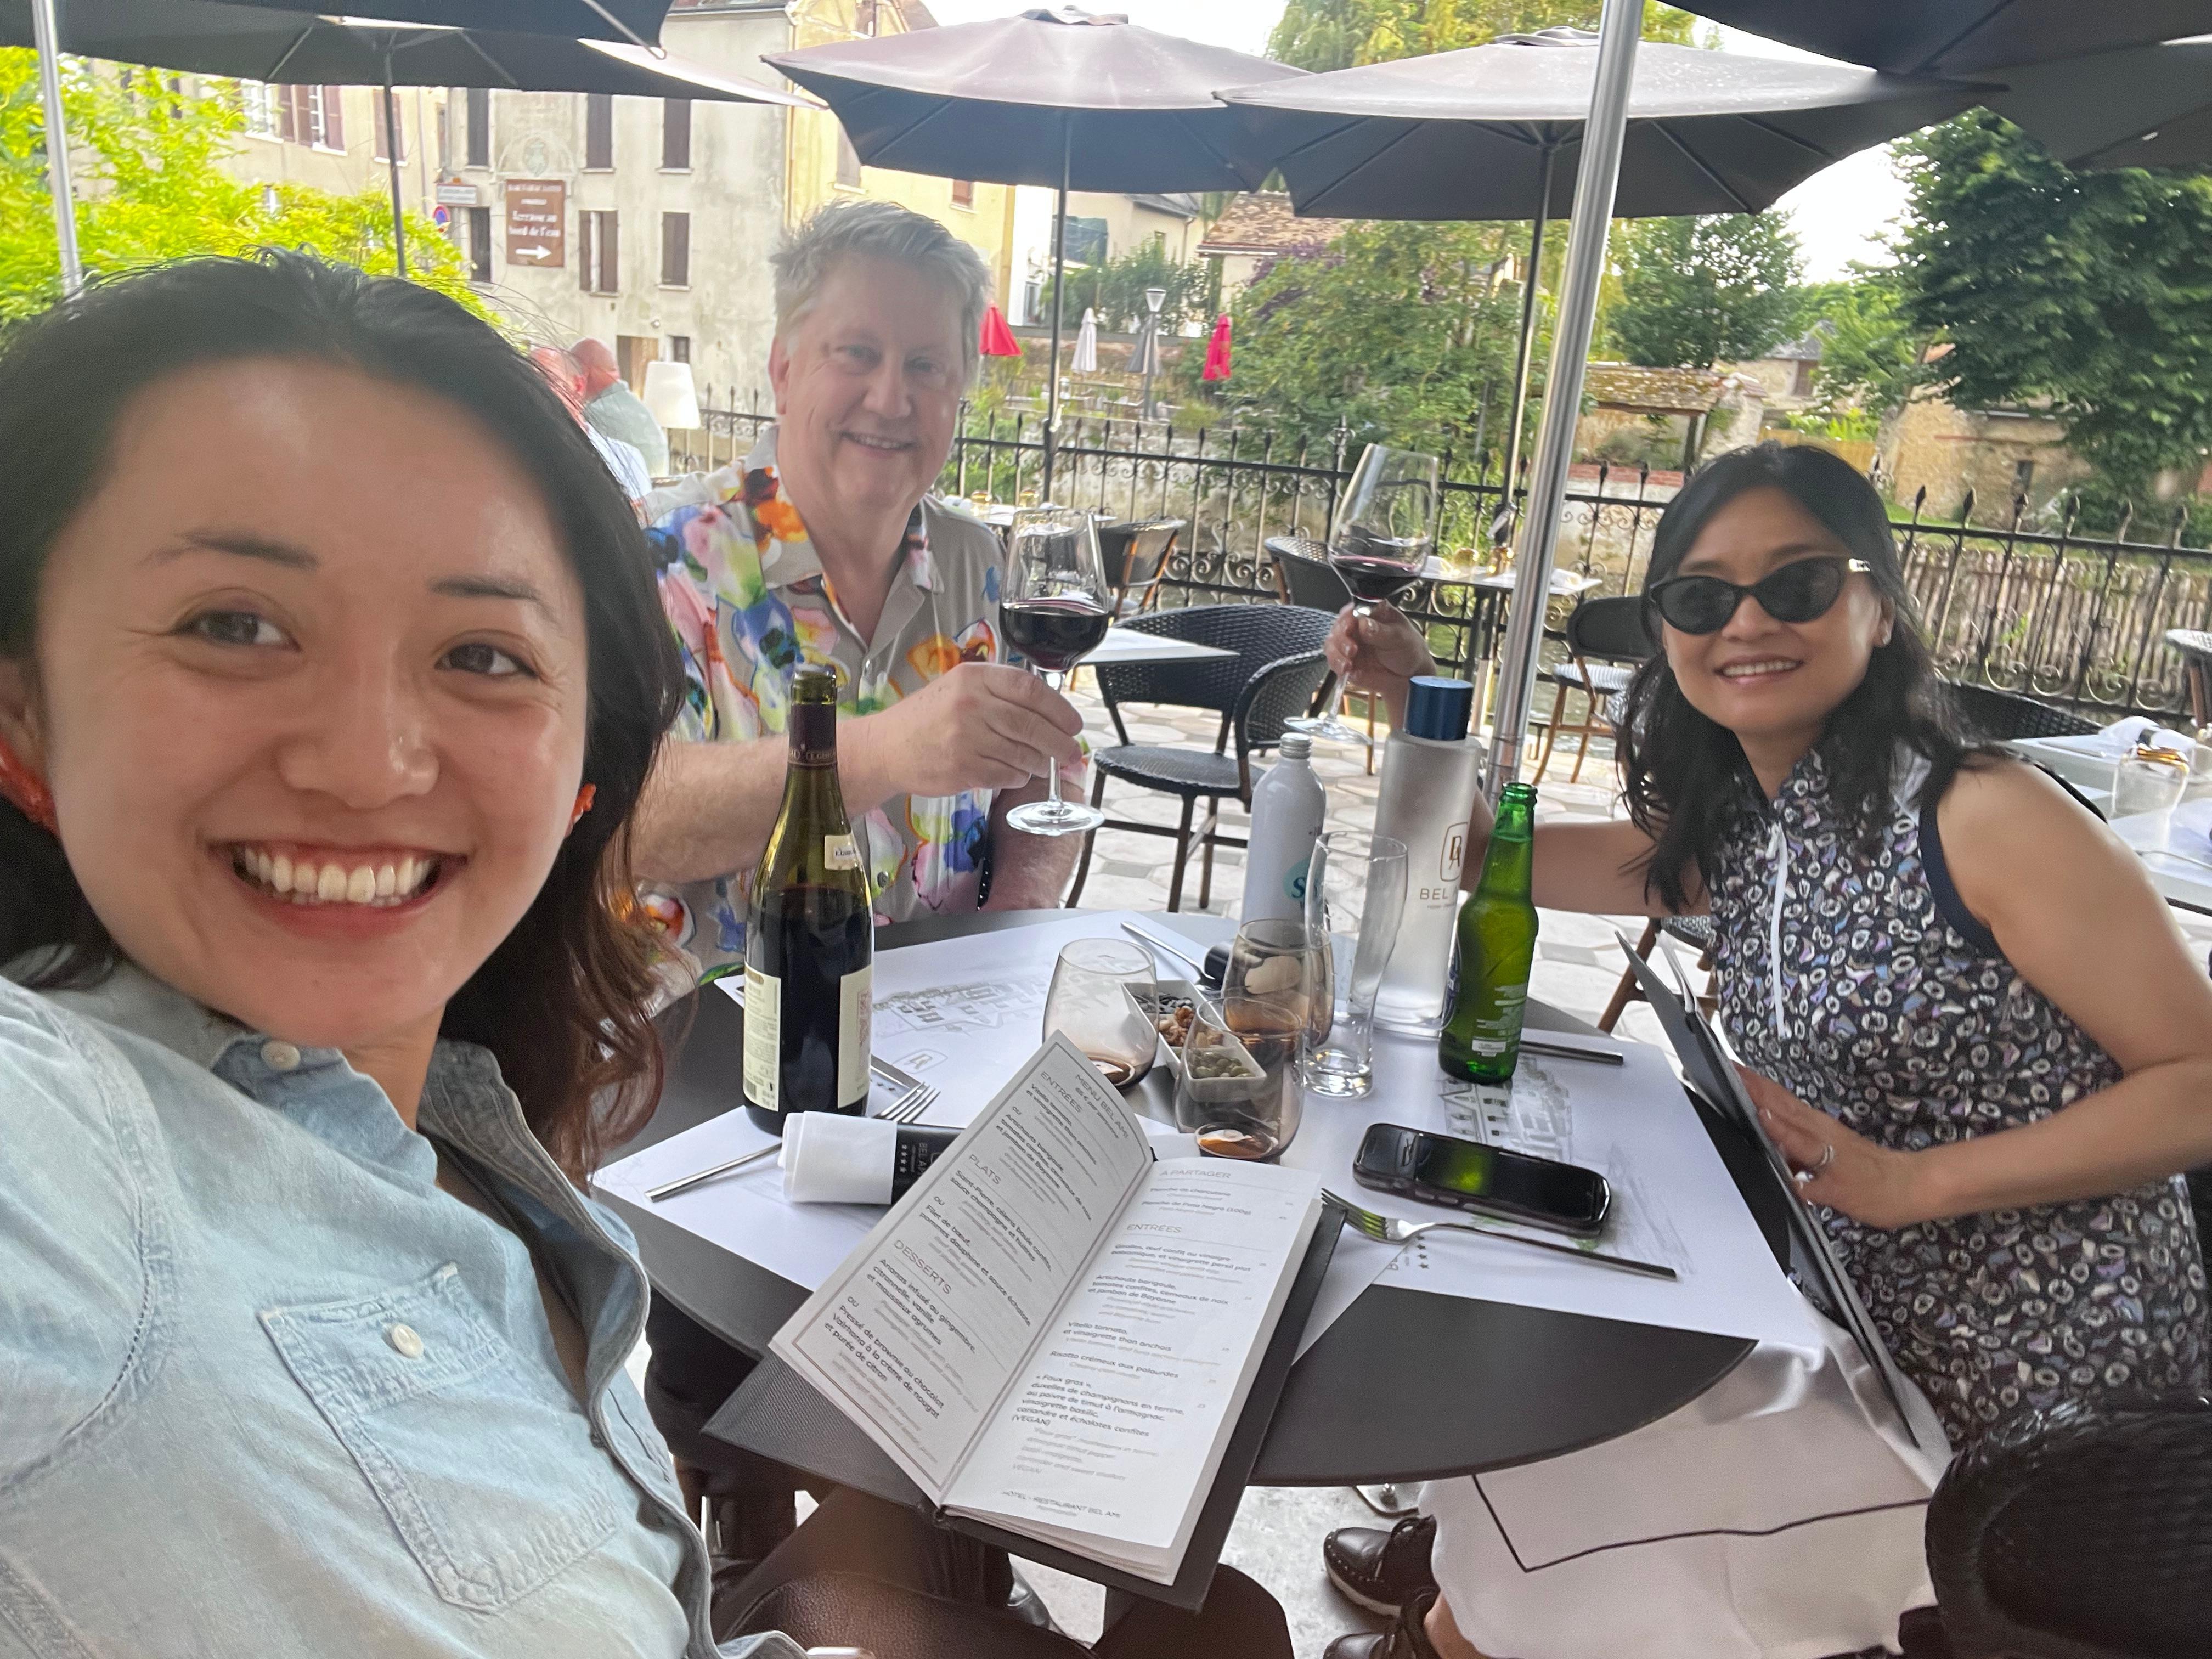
1089, 1003
1056, 608
1379, 546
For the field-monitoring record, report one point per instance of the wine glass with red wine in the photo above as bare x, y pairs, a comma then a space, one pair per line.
1382, 540
1055, 609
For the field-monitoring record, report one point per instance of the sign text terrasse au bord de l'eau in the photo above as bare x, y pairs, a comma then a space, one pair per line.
536, 223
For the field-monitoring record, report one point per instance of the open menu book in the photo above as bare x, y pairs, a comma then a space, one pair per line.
1054, 1335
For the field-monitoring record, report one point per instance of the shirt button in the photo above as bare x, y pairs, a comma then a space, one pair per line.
405, 1338
598, 1440
280, 1056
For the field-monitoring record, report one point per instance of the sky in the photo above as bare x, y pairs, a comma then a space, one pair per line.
1837, 214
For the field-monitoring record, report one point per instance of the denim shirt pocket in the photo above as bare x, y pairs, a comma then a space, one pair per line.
484, 1467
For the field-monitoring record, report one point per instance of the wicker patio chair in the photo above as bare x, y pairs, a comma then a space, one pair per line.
1993, 717
1277, 673
2082, 1532
1606, 641
1136, 555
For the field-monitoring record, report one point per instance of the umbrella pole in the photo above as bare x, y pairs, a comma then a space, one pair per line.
43, 31
1522, 352
392, 153
1594, 186
1059, 285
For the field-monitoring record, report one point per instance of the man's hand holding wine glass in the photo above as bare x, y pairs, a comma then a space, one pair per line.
983, 726
1380, 652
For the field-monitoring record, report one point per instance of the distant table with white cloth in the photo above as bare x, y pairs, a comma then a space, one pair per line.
2176, 849
1126, 645
1404, 1384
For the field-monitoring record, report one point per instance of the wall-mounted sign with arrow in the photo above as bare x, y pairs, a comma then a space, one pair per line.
537, 222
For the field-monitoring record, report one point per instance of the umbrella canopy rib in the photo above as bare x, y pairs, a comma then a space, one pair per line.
1719, 181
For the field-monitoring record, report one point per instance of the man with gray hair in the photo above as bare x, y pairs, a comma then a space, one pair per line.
825, 546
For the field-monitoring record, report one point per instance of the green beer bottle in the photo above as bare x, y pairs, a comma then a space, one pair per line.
1495, 946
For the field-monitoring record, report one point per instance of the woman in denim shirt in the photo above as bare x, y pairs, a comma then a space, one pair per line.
331, 669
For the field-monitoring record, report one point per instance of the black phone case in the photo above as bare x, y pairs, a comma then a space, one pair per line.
1445, 1199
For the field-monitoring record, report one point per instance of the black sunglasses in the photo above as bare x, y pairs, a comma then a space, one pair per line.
1797, 592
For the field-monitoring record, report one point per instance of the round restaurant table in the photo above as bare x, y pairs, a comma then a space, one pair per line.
1405, 1386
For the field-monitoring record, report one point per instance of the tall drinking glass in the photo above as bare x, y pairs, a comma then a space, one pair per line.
1055, 610
1379, 545
1355, 897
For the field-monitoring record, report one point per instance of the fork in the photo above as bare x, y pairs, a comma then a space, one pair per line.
1391, 1230
906, 1108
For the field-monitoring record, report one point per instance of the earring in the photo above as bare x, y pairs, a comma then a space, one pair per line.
25, 791
584, 796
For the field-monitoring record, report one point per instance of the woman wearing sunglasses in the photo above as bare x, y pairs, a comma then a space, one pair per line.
1968, 1019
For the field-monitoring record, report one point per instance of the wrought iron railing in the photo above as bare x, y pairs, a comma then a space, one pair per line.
2071, 618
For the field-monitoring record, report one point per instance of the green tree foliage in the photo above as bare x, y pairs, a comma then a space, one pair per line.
1396, 328
150, 186
1332, 34
1870, 352
1694, 291
2089, 292
1116, 290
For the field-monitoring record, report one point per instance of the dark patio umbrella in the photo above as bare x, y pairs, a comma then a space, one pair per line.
1059, 98
2142, 106
1960, 37
1482, 134
637, 21
262, 43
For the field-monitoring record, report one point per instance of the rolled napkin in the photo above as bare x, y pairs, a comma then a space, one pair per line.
2122, 737
830, 1158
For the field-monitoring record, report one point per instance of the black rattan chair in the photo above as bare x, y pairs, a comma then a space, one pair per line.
1993, 717
2082, 1532
1606, 640
2196, 650
1136, 553
1276, 673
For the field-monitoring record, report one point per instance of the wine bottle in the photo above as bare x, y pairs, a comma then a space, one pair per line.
809, 940
1496, 950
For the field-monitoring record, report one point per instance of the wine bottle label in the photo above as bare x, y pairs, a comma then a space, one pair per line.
840, 851
854, 993
764, 1039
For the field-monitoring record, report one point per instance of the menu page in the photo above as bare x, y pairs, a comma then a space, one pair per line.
1112, 1433
917, 1335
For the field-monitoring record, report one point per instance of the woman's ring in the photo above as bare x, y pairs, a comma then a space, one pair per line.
1827, 1156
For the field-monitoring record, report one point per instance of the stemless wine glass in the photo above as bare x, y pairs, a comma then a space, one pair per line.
1380, 544
1055, 609
1089, 1001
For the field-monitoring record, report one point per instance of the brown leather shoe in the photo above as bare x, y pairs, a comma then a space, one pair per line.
1406, 1639
1379, 1570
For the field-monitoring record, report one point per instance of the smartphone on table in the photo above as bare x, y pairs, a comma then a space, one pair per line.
1466, 1174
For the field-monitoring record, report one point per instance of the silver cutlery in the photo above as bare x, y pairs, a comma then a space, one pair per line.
1391, 1230
1568, 1051
907, 1108
1161, 944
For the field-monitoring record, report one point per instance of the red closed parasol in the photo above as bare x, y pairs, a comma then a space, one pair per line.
998, 339
1217, 351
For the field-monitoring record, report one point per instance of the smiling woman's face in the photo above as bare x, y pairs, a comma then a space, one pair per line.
309, 692
1774, 684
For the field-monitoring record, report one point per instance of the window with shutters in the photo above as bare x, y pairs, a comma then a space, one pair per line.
675, 250
258, 103
326, 123
479, 133
479, 244
599, 262
379, 108
848, 163
598, 132
963, 192
676, 135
